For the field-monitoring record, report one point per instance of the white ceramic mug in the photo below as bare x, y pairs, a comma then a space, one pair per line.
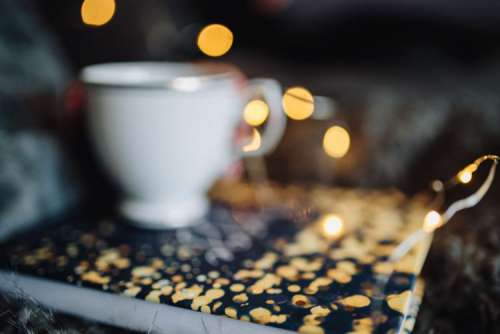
165, 132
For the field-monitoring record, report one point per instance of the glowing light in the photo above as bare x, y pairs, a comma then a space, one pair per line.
254, 144
432, 221
97, 12
471, 168
465, 175
215, 40
437, 185
332, 226
336, 142
256, 112
298, 103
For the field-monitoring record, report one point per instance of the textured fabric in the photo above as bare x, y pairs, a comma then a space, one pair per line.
33, 185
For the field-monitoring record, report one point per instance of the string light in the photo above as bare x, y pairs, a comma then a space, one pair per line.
434, 220
332, 226
298, 103
215, 40
97, 12
336, 142
256, 112
254, 144
464, 176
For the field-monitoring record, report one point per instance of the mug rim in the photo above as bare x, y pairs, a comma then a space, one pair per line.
152, 75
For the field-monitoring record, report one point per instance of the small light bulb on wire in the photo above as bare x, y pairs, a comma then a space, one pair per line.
332, 226
432, 221
464, 176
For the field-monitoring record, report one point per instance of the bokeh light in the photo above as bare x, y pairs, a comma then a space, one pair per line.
336, 142
215, 40
256, 112
97, 12
432, 221
254, 143
298, 103
437, 185
465, 176
332, 226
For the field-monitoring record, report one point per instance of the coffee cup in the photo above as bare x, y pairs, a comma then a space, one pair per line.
165, 132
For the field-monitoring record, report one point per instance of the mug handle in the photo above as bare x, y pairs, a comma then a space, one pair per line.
270, 90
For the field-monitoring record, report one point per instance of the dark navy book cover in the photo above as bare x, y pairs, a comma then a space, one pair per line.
276, 265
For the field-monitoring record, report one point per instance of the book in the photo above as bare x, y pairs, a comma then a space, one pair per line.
266, 259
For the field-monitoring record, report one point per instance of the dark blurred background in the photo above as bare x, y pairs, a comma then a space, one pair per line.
415, 83
402, 75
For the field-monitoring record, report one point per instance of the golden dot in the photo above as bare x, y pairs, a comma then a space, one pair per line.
400, 302
261, 315
231, 312
237, 287
143, 271
298, 103
301, 301
332, 226
214, 293
356, 301
154, 296
97, 12
240, 298
254, 144
256, 112
336, 142
132, 292
215, 40
432, 221
311, 329
339, 276
320, 311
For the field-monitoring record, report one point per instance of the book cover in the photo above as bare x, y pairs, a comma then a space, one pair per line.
266, 259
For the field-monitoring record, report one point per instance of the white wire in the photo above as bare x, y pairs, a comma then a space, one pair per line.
413, 239
473, 199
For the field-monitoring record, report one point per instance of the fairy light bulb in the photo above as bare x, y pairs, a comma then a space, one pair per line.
332, 226
464, 176
432, 221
